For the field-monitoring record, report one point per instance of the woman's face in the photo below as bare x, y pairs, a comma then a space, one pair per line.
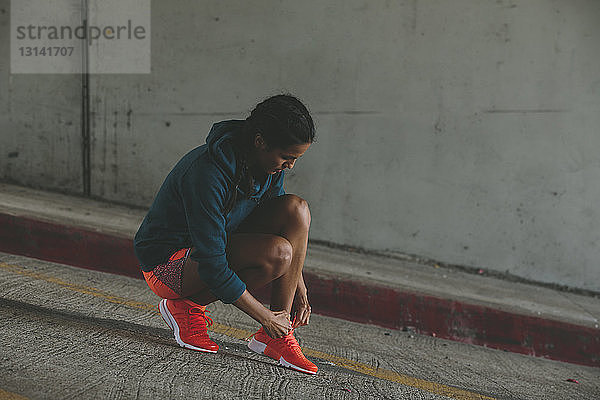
275, 159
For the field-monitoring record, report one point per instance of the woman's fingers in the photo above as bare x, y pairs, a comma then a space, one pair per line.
306, 316
302, 316
283, 321
278, 325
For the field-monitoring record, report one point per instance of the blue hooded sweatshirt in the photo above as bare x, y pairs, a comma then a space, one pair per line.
189, 211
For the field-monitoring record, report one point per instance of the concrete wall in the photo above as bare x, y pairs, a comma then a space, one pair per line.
40, 123
462, 131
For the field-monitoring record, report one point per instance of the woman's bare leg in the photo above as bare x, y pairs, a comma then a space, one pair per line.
287, 216
270, 246
255, 257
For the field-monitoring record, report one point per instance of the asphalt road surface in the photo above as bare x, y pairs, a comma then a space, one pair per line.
71, 333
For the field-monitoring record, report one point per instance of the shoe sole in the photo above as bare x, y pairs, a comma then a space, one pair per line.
162, 314
259, 347
166, 314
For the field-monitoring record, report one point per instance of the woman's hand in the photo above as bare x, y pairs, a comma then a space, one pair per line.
278, 324
301, 308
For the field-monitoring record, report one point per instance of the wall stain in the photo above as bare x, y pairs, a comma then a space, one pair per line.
524, 111
129, 118
413, 16
104, 139
187, 114
226, 113
348, 112
438, 126
115, 164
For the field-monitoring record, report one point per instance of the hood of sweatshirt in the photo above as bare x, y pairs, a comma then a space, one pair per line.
220, 144
220, 148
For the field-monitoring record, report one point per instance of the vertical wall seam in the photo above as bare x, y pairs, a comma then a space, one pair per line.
85, 107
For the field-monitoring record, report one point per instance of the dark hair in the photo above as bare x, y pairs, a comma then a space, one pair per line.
282, 121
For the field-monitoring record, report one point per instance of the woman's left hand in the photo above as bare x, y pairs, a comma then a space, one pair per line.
301, 307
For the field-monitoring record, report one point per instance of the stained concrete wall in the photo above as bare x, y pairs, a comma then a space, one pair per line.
40, 123
461, 131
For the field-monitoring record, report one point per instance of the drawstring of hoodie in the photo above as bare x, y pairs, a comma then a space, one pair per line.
235, 184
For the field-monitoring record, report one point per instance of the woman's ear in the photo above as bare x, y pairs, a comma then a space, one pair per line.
259, 142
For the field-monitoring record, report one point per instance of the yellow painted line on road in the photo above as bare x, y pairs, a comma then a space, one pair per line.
78, 288
4, 395
432, 387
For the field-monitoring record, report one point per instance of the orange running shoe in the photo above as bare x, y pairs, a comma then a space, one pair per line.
286, 350
189, 324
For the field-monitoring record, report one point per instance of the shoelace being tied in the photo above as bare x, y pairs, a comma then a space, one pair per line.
290, 340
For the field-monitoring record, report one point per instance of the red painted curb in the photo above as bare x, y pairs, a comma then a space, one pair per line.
454, 320
333, 296
68, 245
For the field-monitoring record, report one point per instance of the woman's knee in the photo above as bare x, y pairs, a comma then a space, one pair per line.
296, 208
279, 257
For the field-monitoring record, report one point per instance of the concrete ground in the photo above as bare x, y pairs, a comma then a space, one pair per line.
75, 333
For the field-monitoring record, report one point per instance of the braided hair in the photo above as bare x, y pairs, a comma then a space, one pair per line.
282, 120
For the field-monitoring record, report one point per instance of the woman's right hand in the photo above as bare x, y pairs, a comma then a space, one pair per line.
278, 324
